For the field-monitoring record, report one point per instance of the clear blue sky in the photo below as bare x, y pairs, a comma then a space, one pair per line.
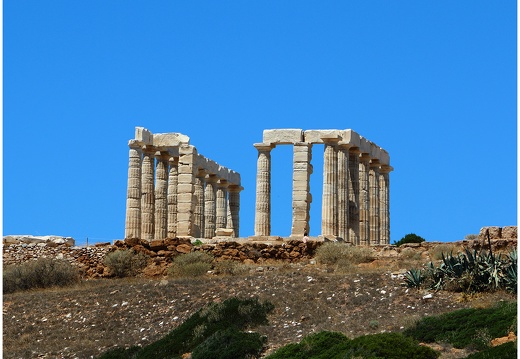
432, 82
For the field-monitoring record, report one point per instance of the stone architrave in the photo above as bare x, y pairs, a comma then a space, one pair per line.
147, 194
198, 228
133, 197
329, 213
221, 204
234, 209
173, 179
161, 196
384, 195
343, 192
185, 191
210, 206
353, 196
301, 197
364, 200
263, 190
374, 201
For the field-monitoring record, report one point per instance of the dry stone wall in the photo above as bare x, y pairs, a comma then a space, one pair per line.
162, 252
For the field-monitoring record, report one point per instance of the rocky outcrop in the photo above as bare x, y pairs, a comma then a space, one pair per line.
49, 241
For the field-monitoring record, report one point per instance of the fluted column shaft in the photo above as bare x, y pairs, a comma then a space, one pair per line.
353, 196
161, 197
234, 209
343, 192
133, 196
374, 202
198, 229
221, 204
210, 207
263, 191
384, 195
185, 191
329, 213
301, 196
147, 194
364, 200
172, 196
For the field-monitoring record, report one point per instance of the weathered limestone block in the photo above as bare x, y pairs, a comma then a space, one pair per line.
282, 136
509, 232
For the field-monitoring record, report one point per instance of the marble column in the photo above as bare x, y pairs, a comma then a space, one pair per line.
374, 202
234, 209
263, 190
210, 206
364, 200
133, 196
198, 225
172, 196
161, 196
147, 194
301, 196
384, 209
185, 191
221, 204
343, 192
353, 196
329, 212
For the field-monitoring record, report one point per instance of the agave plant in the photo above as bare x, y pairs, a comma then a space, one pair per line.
413, 278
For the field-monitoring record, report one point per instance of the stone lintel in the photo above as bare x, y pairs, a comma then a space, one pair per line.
212, 167
144, 136
317, 136
364, 145
171, 139
349, 137
283, 136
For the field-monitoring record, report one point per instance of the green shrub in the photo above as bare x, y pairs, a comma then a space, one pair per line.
193, 264
461, 328
124, 263
225, 318
471, 237
342, 254
40, 273
504, 351
230, 343
331, 345
410, 238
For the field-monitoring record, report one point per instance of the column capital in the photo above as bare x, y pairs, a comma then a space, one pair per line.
386, 169
234, 188
134, 144
344, 146
365, 157
330, 139
201, 173
222, 183
149, 149
262, 147
211, 178
354, 150
374, 163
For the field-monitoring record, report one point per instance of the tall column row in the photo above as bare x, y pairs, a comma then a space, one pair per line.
168, 197
355, 203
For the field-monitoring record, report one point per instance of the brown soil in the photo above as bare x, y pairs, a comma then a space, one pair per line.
84, 321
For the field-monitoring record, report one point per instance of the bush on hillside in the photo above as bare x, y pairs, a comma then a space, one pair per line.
504, 351
230, 343
41, 273
331, 345
193, 264
342, 255
125, 263
461, 328
227, 318
410, 238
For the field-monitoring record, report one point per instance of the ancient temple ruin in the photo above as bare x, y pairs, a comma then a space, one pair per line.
356, 185
173, 191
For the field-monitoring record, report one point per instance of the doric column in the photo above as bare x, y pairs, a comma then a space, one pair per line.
161, 196
263, 190
147, 194
133, 195
343, 192
173, 180
384, 209
329, 212
374, 202
210, 207
234, 209
301, 196
185, 191
198, 228
364, 200
353, 196
221, 205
